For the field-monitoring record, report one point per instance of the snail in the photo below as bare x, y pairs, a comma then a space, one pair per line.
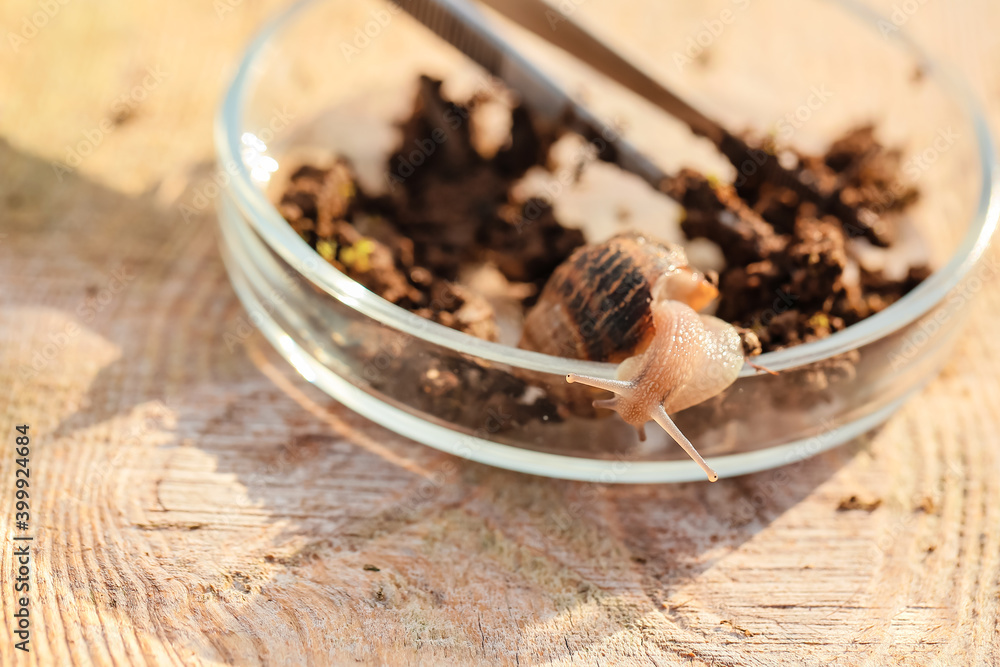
635, 301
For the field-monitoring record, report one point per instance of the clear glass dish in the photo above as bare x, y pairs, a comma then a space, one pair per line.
305, 87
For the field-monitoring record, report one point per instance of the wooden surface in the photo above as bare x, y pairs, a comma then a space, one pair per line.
198, 505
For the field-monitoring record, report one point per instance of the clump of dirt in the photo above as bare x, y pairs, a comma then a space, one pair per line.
790, 275
455, 205
447, 207
331, 213
853, 503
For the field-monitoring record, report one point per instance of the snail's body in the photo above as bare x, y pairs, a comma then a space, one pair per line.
703, 356
636, 300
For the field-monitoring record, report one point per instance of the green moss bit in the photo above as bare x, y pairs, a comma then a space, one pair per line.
347, 190
819, 321
358, 256
326, 249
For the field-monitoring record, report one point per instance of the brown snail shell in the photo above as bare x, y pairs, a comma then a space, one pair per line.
596, 305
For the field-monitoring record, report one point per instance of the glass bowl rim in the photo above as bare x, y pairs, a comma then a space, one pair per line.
278, 234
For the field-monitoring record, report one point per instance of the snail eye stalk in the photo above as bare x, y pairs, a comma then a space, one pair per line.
623, 390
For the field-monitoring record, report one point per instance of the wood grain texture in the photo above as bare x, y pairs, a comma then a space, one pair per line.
201, 505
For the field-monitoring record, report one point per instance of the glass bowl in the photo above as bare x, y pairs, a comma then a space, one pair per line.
315, 81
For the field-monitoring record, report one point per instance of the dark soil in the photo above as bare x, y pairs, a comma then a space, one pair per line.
448, 207
786, 255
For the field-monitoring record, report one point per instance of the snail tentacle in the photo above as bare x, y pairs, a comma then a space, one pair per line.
661, 417
623, 389
620, 387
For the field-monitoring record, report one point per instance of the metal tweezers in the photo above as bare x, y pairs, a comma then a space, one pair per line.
462, 24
